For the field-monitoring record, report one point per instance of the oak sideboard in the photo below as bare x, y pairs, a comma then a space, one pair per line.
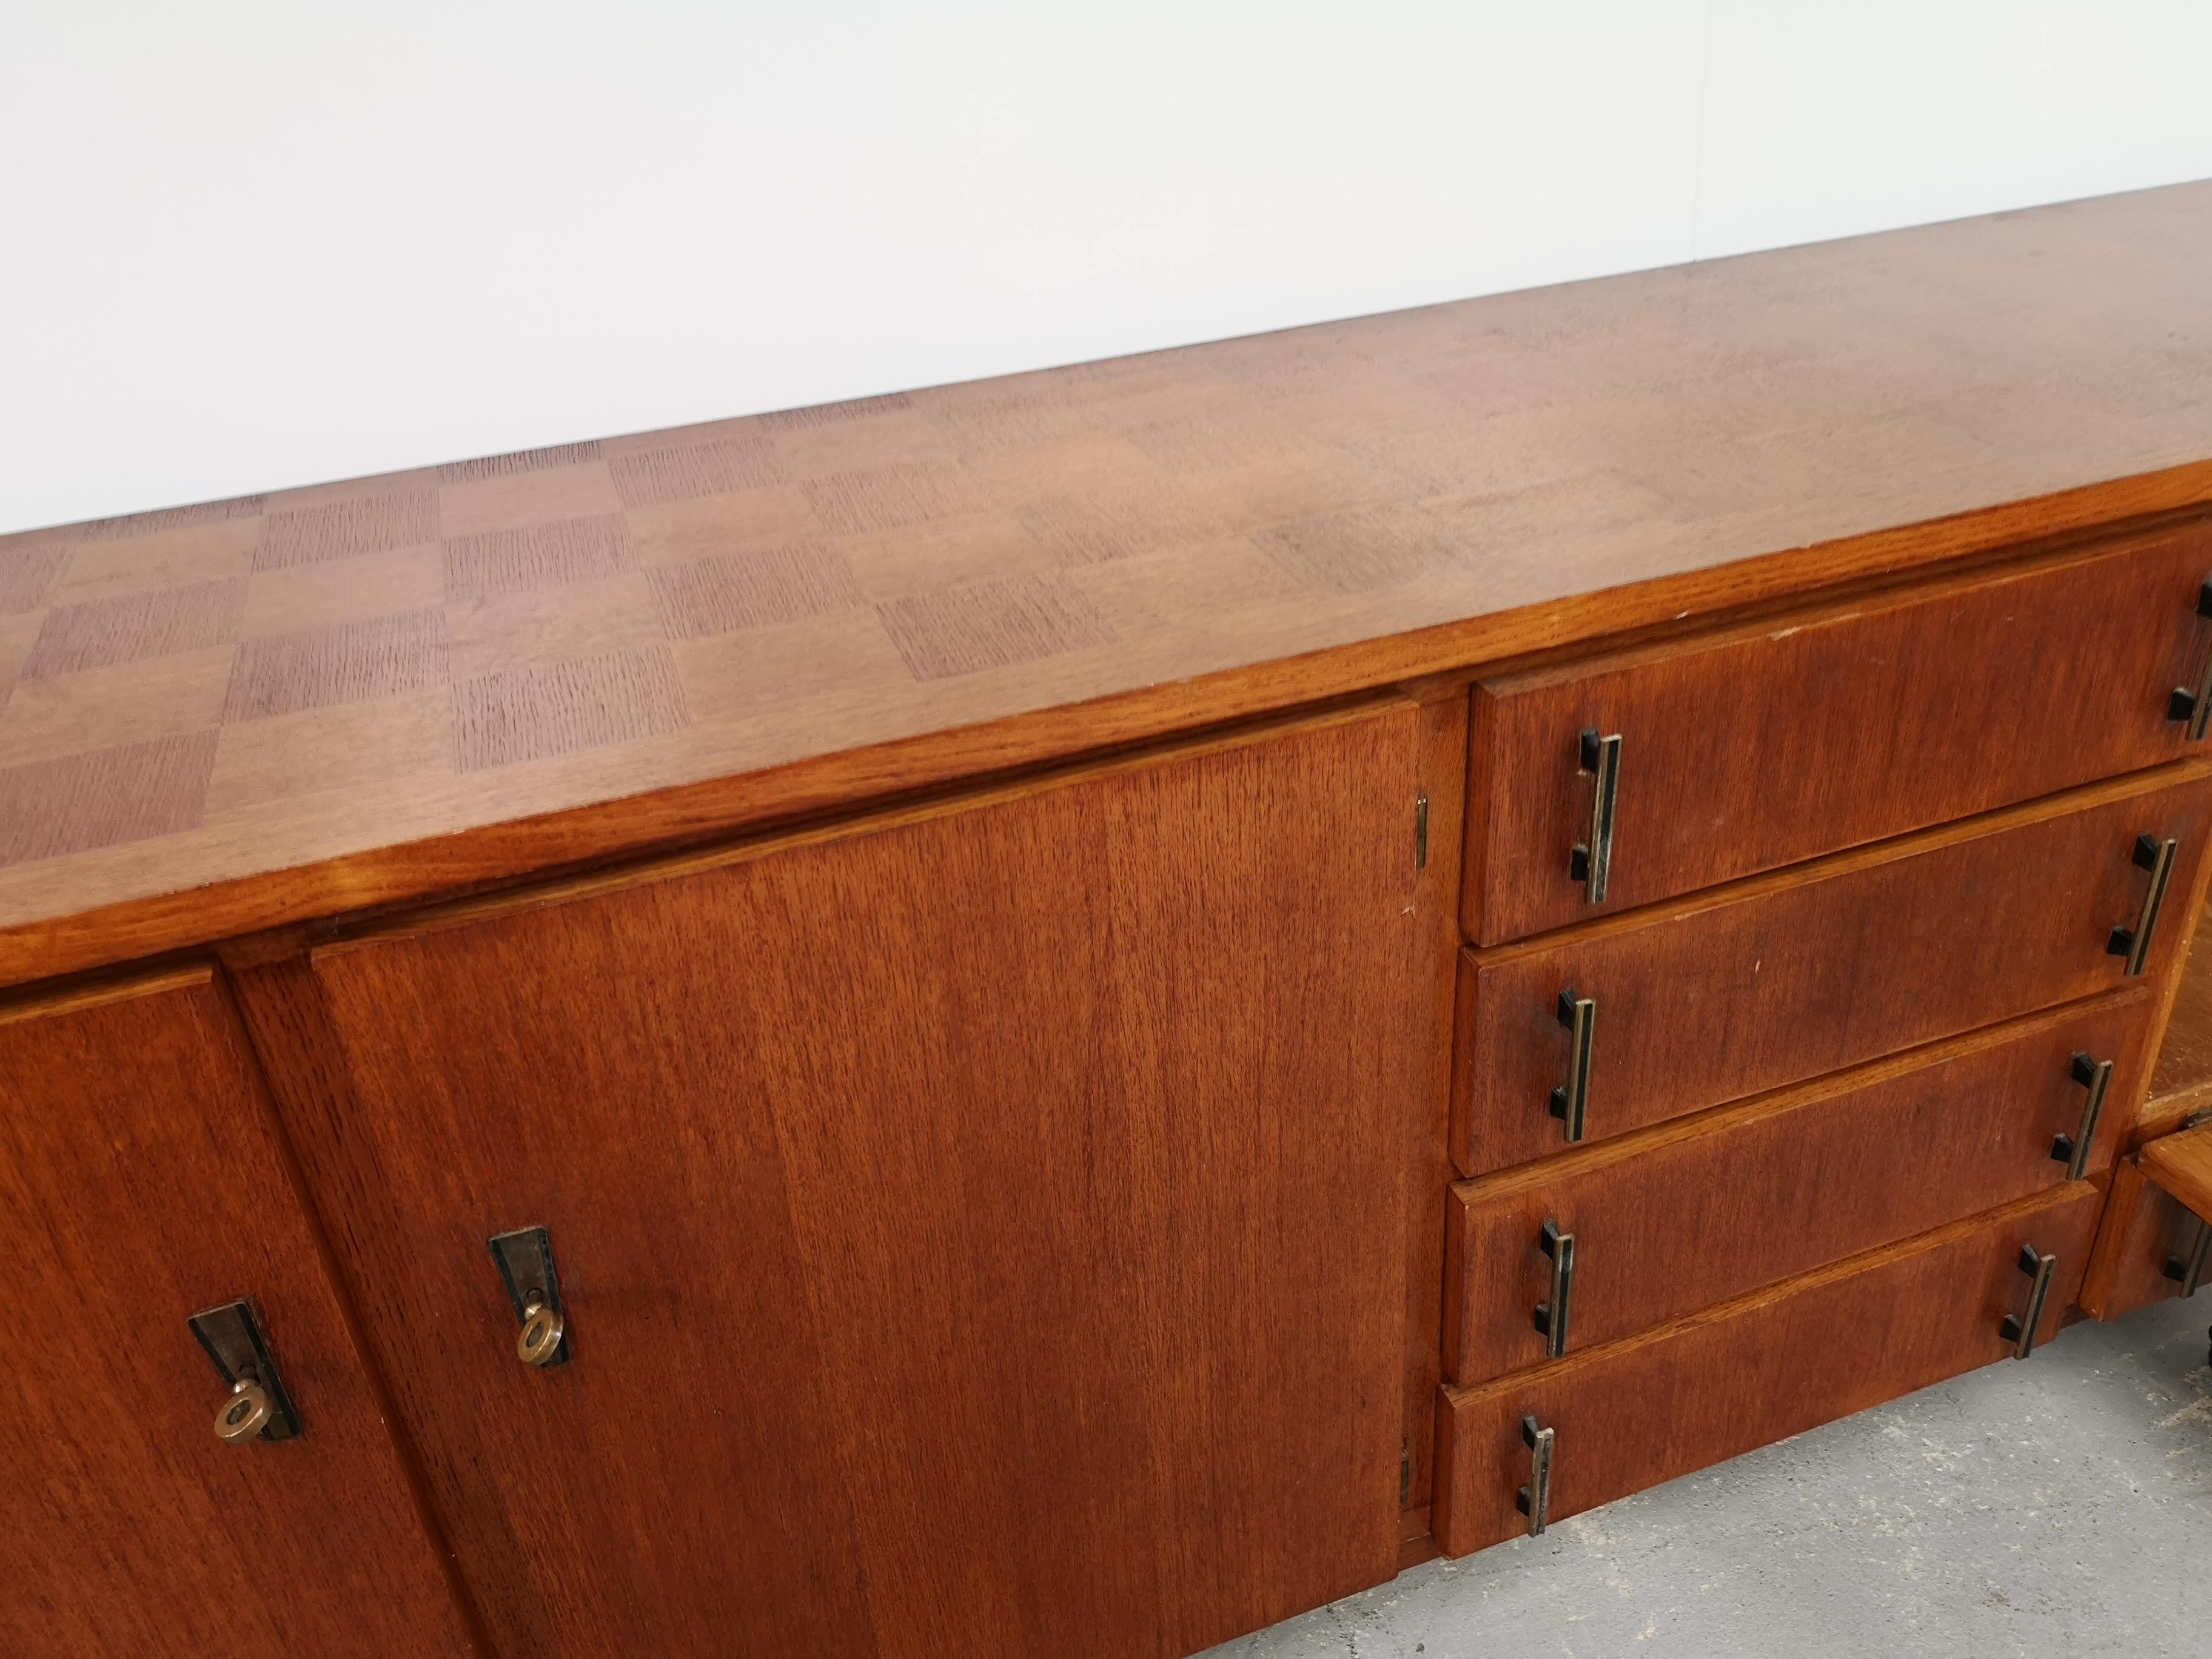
1067, 1015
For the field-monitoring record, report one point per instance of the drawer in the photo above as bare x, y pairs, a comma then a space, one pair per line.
1635, 1413
1647, 1228
2147, 1245
1767, 744
1791, 975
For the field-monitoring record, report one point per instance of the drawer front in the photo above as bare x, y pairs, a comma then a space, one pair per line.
1769, 1365
1693, 1213
1792, 976
2146, 1245
1762, 746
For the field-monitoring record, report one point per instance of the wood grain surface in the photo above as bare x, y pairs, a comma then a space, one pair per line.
1764, 745
2181, 1085
219, 718
1635, 1413
2144, 1230
1430, 1172
925, 1298
1696, 1212
141, 1181
2181, 1163
1784, 976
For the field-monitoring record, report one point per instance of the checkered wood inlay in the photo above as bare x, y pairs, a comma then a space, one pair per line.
76, 803
221, 691
537, 555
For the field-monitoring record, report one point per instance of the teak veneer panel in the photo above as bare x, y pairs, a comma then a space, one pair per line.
474, 673
1769, 744
1786, 976
1430, 1172
2144, 1230
141, 1181
982, 1234
2182, 1165
2182, 1084
1642, 1411
1695, 1213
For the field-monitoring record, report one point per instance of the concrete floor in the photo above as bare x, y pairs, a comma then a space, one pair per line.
2063, 1506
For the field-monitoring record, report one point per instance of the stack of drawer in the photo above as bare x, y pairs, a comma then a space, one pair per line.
1810, 977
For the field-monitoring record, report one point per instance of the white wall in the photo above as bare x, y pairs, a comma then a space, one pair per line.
248, 245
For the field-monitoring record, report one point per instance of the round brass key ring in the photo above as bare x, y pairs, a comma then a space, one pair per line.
539, 1339
245, 1414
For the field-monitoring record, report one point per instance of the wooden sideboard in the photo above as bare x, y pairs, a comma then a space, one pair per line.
1068, 1015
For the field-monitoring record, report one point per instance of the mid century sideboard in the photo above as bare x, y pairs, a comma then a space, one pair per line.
1067, 1015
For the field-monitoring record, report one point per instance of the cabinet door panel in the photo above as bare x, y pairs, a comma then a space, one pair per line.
1633, 1413
140, 1182
1778, 741
1696, 1213
981, 1233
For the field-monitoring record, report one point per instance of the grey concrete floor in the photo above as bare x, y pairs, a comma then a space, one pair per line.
2062, 1506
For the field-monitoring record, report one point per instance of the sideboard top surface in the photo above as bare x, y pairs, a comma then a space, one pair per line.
226, 717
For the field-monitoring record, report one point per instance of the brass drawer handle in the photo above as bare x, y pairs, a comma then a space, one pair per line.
1551, 1316
2195, 707
257, 1407
2073, 1150
2133, 942
525, 1262
2020, 1332
1534, 1499
1592, 862
1570, 1100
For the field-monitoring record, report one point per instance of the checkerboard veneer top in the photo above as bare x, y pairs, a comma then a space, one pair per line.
228, 715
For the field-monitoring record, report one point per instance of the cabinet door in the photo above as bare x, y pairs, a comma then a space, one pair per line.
141, 1182
981, 1234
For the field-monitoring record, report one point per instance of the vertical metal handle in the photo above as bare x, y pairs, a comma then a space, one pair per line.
1534, 1499
1592, 862
1570, 1100
2190, 1269
2195, 707
1551, 1316
2020, 1332
2133, 942
2073, 1150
